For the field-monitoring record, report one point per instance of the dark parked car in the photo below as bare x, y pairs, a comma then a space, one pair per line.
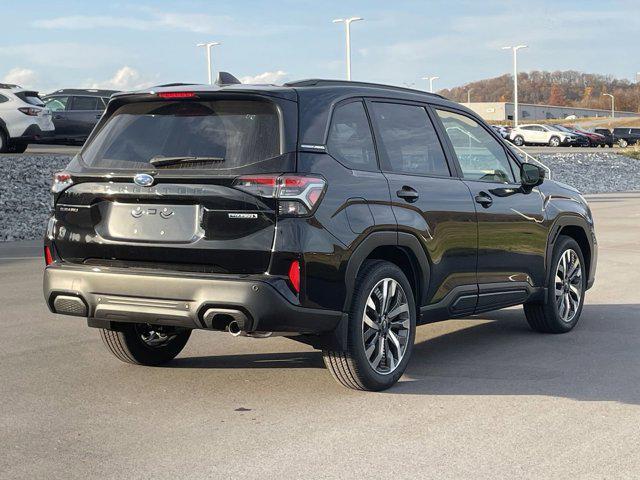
76, 112
340, 214
626, 136
608, 136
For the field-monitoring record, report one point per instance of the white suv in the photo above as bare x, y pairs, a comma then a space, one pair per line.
23, 118
543, 135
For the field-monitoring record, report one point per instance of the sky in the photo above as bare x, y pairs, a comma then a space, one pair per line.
46, 45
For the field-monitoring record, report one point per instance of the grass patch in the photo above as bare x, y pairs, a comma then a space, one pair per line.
631, 152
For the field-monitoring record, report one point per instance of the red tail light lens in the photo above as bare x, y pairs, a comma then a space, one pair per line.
294, 275
48, 258
61, 181
177, 94
297, 195
32, 112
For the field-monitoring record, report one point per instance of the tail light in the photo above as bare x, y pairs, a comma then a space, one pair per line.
32, 112
48, 258
298, 195
294, 275
61, 181
177, 94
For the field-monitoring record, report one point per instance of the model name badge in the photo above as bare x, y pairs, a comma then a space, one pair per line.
243, 215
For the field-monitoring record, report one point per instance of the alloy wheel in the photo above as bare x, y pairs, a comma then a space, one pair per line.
385, 326
568, 285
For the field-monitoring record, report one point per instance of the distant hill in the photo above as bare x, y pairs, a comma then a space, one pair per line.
568, 88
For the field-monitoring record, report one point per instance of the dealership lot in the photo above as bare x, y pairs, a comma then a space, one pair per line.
482, 397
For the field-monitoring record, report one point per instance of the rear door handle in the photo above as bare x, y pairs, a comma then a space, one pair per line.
408, 194
484, 199
57, 116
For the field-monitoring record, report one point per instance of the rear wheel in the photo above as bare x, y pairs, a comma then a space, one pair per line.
518, 140
144, 344
566, 286
381, 330
18, 147
623, 143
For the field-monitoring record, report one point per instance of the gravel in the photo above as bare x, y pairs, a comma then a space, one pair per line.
25, 198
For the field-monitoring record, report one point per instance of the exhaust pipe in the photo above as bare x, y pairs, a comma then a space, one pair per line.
234, 328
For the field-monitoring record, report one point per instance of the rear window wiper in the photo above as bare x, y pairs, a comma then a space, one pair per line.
160, 161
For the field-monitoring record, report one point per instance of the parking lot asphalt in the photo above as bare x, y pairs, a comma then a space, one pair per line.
483, 397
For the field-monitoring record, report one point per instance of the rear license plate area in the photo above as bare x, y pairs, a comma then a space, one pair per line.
150, 223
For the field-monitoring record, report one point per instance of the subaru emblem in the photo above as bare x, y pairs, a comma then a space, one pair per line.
143, 179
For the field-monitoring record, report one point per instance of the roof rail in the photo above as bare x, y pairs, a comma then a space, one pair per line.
319, 82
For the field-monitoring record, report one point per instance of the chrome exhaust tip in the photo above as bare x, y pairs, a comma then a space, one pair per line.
234, 328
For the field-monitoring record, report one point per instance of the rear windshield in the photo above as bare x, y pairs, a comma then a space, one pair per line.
31, 98
233, 133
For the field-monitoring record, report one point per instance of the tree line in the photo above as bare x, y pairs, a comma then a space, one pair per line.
563, 88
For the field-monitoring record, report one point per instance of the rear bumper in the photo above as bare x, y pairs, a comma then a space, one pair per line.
34, 132
168, 298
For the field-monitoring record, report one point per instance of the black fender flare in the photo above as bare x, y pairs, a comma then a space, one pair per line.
407, 241
566, 220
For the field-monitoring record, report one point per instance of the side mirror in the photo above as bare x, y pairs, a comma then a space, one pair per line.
531, 175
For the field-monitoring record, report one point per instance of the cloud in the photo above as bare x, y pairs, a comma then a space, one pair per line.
126, 78
265, 77
150, 19
21, 76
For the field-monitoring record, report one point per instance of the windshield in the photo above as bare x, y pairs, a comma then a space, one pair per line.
562, 128
234, 133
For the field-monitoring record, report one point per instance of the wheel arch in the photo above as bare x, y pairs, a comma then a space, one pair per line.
576, 227
401, 249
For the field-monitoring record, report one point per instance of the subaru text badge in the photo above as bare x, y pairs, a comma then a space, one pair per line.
143, 179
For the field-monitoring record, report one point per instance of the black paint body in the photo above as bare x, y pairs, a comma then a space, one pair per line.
461, 257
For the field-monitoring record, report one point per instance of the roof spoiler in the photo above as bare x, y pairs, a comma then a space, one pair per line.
225, 78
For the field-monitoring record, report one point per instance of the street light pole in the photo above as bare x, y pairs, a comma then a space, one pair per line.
469, 95
208, 46
431, 79
613, 104
515, 80
347, 24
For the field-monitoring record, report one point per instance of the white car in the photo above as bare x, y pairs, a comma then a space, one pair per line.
537, 134
23, 118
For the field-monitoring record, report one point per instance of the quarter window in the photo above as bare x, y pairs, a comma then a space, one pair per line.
350, 140
480, 155
409, 140
3, 99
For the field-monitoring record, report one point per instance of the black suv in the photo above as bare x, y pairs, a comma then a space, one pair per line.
626, 136
75, 113
340, 214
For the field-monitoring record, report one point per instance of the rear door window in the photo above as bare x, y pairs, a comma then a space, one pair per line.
231, 133
350, 140
84, 103
408, 140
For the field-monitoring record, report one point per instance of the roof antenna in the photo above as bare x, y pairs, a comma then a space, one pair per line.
225, 78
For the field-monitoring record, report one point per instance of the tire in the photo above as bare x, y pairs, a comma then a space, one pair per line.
18, 147
554, 142
4, 142
623, 143
381, 364
518, 141
128, 345
549, 316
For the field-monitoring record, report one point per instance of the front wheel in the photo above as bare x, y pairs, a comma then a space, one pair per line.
566, 287
381, 330
554, 142
144, 344
623, 143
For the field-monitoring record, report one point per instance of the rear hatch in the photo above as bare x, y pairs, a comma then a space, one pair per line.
156, 184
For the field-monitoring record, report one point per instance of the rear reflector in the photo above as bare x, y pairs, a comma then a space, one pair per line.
61, 181
48, 258
176, 94
294, 275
